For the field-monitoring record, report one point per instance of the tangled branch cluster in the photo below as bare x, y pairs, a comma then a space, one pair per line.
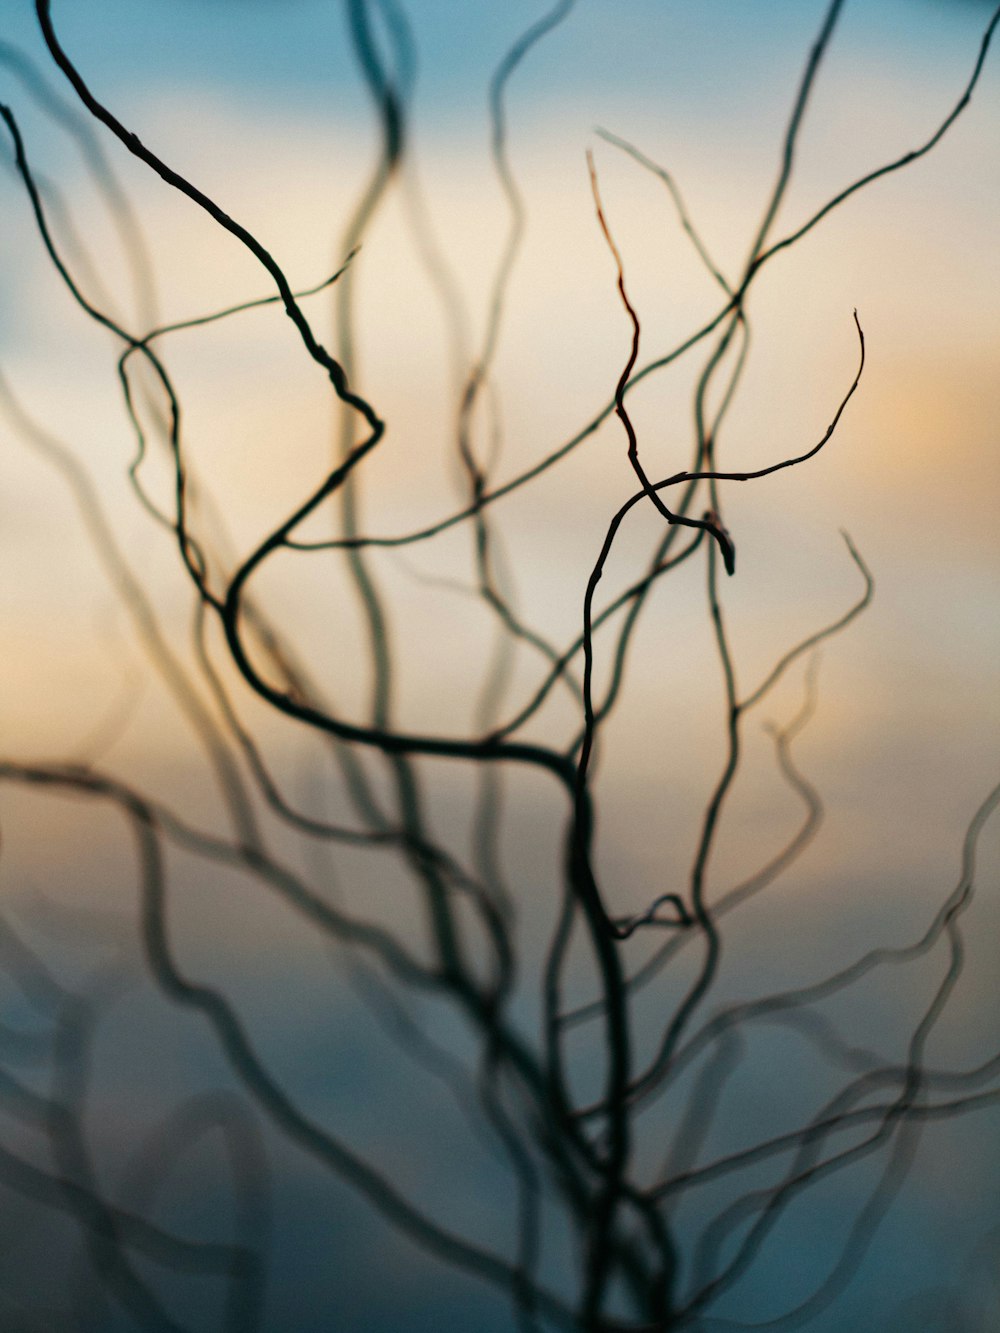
565, 1157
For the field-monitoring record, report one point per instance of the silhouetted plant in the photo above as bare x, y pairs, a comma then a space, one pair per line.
578, 1168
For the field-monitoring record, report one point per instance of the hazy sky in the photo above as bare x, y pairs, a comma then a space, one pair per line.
259, 102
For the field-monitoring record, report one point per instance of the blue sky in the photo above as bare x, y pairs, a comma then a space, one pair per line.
261, 102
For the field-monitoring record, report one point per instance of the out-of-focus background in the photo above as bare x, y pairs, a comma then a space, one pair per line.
262, 105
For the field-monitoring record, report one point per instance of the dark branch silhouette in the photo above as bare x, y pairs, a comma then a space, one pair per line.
591, 1049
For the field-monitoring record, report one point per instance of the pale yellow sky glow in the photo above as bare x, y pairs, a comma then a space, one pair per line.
911, 473
99, 614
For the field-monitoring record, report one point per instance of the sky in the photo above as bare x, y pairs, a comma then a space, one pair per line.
261, 104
